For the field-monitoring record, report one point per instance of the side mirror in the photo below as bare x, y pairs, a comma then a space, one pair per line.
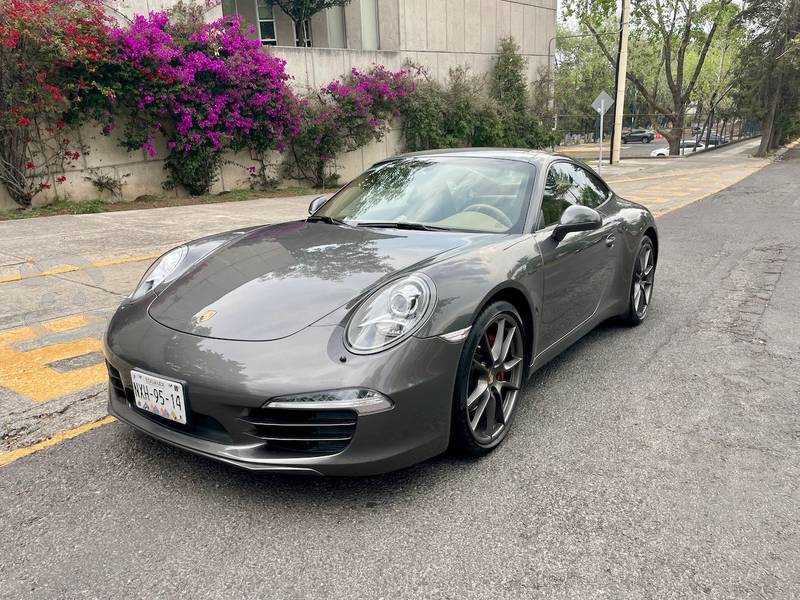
577, 218
316, 204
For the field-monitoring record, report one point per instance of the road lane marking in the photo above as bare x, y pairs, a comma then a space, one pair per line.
72, 268
677, 175
27, 372
65, 324
8, 457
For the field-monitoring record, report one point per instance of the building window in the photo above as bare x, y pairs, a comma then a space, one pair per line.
302, 35
266, 23
337, 38
228, 8
369, 25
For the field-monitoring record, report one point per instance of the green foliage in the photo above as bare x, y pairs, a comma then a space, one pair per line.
196, 170
462, 113
509, 87
675, 37
343, 116
768, 74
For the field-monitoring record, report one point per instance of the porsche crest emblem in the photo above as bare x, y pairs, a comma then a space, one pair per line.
205, 316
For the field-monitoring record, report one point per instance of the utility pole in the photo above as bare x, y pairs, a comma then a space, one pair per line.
622, 73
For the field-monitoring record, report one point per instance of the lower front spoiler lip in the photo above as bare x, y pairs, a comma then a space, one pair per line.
253, 466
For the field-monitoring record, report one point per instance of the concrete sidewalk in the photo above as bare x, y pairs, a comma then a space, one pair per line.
62, 276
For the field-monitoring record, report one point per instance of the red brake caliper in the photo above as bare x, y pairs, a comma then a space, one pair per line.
492, 337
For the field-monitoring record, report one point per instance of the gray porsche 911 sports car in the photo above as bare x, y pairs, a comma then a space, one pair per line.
402, 317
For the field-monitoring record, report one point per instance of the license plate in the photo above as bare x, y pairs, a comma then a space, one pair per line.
162, 397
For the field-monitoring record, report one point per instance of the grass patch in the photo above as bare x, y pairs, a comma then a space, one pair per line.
69, 207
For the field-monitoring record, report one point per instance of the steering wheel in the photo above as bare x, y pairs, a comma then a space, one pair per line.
491, 211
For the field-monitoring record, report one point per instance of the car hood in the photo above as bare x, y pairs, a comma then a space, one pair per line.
276, 280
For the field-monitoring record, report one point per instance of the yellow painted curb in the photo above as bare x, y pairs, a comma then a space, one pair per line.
9, 457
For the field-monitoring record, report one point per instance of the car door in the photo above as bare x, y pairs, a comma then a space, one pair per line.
577, 271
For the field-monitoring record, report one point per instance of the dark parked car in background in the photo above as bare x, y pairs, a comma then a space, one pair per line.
713, 140
644, 136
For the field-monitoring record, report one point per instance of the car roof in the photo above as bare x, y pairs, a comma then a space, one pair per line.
519, 154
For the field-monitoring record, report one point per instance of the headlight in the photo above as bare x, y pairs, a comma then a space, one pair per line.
159, 271
391, 314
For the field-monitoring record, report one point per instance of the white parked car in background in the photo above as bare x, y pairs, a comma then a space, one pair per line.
687, 147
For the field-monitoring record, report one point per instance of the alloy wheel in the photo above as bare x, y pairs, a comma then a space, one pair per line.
643, 279
495, 379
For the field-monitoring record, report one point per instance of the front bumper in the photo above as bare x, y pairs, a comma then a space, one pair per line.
228, 382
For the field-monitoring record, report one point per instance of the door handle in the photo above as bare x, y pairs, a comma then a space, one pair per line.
610, 239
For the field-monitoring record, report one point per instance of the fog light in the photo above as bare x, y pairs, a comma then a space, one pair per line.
362, 401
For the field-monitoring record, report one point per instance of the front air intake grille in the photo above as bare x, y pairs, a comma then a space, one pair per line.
115, 380
303, 431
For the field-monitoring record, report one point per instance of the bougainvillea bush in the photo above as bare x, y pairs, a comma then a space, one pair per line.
345, 115
204, 87
49, 53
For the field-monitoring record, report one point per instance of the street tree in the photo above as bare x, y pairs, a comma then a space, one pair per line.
769, 74
300, 11
683, 32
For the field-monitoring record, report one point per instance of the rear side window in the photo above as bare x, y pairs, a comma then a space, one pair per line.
558, 193
568, 184
590, 190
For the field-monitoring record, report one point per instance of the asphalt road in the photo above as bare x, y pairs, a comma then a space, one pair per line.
657, 462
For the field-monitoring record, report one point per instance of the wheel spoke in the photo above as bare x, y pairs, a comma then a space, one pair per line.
500, 413
511, 363
644, 259
476, 364
499, 340
507, 385
473, 422
648, 291
477, 393
487, 348
637, 294
507, 344
491, 413
647, 272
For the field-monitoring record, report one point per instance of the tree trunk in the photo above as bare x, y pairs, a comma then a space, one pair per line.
769, 125
675, 136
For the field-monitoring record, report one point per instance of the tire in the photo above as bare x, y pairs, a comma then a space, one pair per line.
472, 434
643, 279
646, 140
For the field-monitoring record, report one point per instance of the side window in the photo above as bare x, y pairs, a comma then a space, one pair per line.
558, 194
591, 192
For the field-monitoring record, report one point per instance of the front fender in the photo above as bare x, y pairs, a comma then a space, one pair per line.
466, 283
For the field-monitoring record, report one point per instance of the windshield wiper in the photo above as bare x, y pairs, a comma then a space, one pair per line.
325, 219
412, 226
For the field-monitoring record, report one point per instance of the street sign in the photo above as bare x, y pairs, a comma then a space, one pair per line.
602, 103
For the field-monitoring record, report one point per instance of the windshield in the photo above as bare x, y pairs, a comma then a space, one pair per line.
464, 193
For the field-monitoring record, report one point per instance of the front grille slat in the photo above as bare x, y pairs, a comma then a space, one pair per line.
302, 430
321, 424
304, 439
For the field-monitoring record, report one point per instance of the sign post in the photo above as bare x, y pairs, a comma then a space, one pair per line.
601, 104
